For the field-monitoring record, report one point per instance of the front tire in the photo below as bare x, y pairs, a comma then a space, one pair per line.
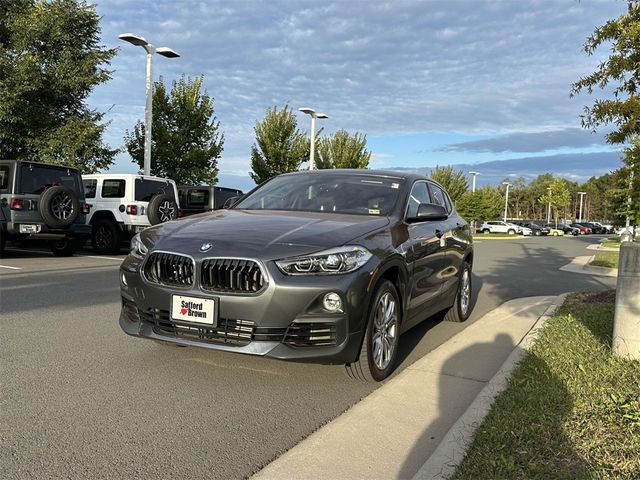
461, 308
379, 349
105, 237
511, 232
486, 231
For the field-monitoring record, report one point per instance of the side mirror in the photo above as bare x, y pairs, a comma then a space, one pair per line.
231, 201
429, 211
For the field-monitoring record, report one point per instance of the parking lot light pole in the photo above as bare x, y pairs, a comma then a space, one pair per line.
549, 208
473, 181
139, 41
582, 194
506, 200
314, 115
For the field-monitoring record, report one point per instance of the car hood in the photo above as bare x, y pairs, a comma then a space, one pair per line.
263, 234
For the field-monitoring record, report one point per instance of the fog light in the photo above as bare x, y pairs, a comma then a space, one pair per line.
123, 279
332, 302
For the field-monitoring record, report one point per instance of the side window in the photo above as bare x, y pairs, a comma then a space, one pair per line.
437, 195
197, 198
90, 188
419, 194
4, 178
145, 189
113, 188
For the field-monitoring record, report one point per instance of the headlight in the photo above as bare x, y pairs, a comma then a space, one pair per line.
328, 262
138, 249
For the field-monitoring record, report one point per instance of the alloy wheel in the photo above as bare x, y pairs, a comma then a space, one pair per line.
62, 206
465, 293
385, 331
104, 237
166, 211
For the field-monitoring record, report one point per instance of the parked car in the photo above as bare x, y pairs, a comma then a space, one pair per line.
569, 230
583, 230
203, 198
608, 227
326, 266
559, 232
594, 227
125, 204
536, 230
42, 202
498, 226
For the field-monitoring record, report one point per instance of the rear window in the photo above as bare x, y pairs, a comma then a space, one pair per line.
145, 189
224, 195
113, 188
4, 178
90, 188
34, 179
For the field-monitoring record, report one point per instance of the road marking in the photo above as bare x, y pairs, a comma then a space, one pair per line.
10, 268
107, 258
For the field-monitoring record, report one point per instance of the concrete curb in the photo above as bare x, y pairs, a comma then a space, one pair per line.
581, 265
601, 248
453, 447
513, 237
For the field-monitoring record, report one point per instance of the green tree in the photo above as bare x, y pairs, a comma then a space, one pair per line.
342, 150
558, 196
454, 181
50, 61
484, 204
280, 146
186, 137
621, 68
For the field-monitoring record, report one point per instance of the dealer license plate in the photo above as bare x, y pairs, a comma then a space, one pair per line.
26, 228
193, 310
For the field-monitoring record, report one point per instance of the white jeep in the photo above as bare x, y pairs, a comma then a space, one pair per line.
122, 205
498, 226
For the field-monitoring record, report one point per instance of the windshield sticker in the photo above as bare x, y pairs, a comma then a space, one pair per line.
374, 211
395, 185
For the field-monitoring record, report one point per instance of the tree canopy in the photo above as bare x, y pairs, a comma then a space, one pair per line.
186, 137
454, 181
342, 150
485, 203
51, 59
280, 147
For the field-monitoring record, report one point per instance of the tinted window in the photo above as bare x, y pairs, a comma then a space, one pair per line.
34, 179
222, 196
145, 189
90, 188
4, 177
438, 196
419, 194
331, 193
197, 198
113, 188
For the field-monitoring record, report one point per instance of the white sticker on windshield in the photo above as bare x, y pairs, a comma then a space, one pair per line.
395, 185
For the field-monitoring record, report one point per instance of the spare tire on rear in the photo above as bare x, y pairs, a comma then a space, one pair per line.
162, 208
59, 206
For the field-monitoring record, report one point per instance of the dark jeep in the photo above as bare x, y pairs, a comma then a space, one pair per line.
42, 202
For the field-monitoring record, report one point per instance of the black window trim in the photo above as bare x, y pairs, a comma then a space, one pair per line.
406, 207
448, 204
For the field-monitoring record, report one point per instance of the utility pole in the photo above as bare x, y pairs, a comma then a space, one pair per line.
473, 181
582, 194
506, 200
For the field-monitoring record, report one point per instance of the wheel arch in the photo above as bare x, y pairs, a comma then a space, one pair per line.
103, 215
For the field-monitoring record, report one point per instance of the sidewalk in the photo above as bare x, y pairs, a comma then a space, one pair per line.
393, 431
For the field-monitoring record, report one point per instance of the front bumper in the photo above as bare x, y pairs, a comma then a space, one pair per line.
284, 321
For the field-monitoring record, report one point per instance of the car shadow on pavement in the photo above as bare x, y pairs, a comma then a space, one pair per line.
412, 338
510, 449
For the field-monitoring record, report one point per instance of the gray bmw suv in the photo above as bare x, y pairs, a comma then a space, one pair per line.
326, 266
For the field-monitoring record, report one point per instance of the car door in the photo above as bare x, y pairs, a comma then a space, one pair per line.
452, 239
425, 258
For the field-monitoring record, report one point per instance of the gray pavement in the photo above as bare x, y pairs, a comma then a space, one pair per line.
78, 398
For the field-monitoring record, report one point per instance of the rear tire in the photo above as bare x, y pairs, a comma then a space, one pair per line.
461, 308
59, 206
162, 208
105, 237
511, 232
486, 230
379, 349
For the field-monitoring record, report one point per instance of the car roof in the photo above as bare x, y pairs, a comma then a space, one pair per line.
41, 164
387, 173
125, 176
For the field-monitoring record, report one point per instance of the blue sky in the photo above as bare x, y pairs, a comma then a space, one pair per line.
429, 82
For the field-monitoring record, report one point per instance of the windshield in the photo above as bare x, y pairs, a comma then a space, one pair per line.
339, 193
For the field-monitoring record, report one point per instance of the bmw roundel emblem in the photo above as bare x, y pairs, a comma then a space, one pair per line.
205, 247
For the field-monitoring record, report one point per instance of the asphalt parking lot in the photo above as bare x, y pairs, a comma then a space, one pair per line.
79, 399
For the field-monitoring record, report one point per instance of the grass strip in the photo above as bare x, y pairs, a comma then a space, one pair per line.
571, 409
606, 259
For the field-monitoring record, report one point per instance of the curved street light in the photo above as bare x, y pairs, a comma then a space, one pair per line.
311, 112
139, 41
